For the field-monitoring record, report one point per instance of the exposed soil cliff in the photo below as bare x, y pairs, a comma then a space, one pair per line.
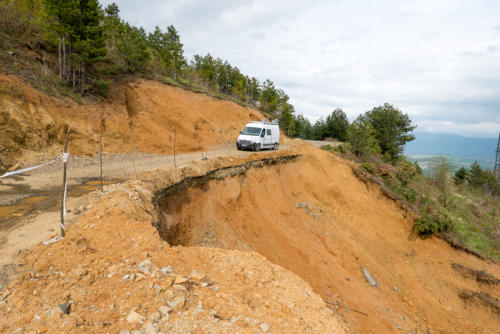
113, 272
139, 115
315, 218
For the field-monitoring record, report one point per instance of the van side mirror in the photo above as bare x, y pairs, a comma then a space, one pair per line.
241, 132
262, 134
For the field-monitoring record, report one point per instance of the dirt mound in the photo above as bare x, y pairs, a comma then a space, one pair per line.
316, 218
113, 272
139, 115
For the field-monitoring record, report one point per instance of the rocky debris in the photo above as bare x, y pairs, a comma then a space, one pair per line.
167, 270
310, 211
301, 205
145, 266
135, 317
264, 327
369, 278
197, 277
117, 288
164, 310
65, 308
177, 302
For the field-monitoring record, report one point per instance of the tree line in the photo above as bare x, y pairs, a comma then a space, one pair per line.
93, 44
382, 130
477, 178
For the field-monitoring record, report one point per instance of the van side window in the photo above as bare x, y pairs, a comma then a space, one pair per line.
268, 132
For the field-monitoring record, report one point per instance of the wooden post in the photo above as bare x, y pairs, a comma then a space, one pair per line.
63, 197
175, 135
100, 156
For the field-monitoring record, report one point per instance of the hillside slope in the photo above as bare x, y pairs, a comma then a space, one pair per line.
139, 115
315, 218
115, 273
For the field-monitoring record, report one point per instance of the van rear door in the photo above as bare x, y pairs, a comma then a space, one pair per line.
276, 134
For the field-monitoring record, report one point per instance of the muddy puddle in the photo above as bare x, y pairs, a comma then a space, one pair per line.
43, 201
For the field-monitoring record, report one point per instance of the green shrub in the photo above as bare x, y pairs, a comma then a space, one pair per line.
432, 224
405, 171
101, 87
170, 81
407, 193
343, 148
418, 169
369, 167
328, 148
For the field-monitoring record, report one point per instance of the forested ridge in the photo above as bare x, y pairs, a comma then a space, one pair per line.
79, 48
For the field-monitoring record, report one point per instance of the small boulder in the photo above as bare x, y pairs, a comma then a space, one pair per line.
145, 266
164, 310
134, 317
167, 270
180, 279
177, 303
65, 308
369, 278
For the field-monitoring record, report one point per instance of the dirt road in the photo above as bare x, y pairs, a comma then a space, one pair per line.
30, 202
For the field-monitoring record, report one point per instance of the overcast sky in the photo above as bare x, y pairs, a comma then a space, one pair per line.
437, 60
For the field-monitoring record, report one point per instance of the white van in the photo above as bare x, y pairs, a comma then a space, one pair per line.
259, 135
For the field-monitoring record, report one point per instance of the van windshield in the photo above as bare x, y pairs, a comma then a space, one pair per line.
250, 131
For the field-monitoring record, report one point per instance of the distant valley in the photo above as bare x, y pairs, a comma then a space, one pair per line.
462, 151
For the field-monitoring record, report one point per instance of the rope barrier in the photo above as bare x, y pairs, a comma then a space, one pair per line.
24, 170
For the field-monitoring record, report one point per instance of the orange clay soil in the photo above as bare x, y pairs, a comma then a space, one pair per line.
310, 216
115, 273
316, 219
138, 115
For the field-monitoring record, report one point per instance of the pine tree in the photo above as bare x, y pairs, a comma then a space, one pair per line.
80, 33
336, 124
319, 129
175, 59
460, 176
362, 137
112, 24
89, 37
392, 129
475, 176
132, 47
269, 98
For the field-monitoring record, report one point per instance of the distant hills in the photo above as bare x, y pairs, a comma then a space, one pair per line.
460, 149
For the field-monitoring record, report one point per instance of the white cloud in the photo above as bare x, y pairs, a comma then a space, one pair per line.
439, 61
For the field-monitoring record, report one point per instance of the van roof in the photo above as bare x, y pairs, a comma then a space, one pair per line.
273, 122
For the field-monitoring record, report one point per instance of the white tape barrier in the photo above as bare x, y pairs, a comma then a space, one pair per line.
64, 158
24, 170
52, 240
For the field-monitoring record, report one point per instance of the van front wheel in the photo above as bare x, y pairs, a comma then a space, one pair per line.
256, 147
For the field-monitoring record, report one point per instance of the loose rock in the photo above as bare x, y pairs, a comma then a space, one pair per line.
145, 266
369, 278
177, 303
167, 270
134, 317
